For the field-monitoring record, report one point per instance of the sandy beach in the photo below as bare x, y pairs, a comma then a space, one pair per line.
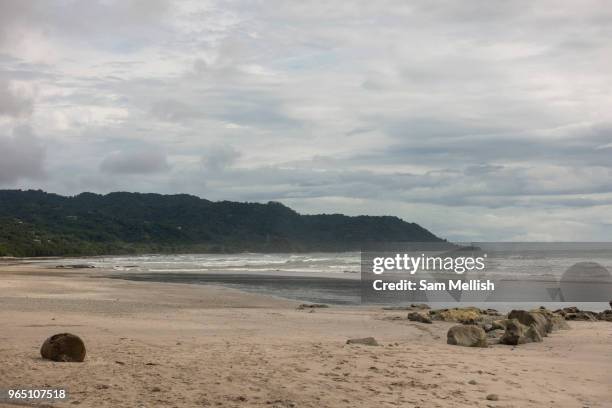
177, 345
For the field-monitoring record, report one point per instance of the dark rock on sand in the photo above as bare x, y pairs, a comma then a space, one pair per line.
565, 310
532, 319
64, 347
495, 333
518, 333
467, 335
559, 323
465, 315
514, 333
555, 321
413, 306
75, 266
493, 397
367, 341
573, 313
582, 315
487, 327
421, 306
311, 306
606, 315
491, 312
499, 324
419, 317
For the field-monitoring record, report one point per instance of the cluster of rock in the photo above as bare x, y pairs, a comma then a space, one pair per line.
519, 327
573, 313
484, 327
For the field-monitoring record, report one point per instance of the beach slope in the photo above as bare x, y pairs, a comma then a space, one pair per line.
152, 344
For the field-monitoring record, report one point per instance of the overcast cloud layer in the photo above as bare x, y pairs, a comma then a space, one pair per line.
480, 120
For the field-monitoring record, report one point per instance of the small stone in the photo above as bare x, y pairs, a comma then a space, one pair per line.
312, 306
493, 397
473, 382
155, 389
367, 341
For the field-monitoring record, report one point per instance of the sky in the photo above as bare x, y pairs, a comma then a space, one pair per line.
480, 120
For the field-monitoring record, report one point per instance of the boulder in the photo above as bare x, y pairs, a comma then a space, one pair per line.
532, 335
467, 335
518, 333
535, 319
559, 323
419, 317
606, 315
421, 306
499, 324
366, 341
65, 347
554, 321
565, 310
466, 315
573, 313
582, 315
514, 333
496, 333
487, 327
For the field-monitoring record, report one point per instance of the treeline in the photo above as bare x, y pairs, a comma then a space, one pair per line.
36, 223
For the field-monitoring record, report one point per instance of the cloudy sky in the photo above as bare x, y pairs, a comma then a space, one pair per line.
480, 120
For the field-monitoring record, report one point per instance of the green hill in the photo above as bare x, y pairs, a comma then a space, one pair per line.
35, 223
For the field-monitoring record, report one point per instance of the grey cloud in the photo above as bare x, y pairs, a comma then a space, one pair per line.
133, 23
12, 102
427, 110
219, 158
22, 156
143, 161
174, 111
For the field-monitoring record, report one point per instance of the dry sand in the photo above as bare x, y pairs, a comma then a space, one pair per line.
158, 345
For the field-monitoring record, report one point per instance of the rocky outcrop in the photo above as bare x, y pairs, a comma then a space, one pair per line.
467, 336
499, 324
555, 321
419, 317
573, 313
495, 333
518, 333
606, 315
532, 319
65, 347
465, 315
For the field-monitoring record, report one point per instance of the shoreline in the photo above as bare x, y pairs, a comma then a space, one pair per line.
168, 344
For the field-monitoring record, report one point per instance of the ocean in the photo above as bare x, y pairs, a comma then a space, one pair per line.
332, 278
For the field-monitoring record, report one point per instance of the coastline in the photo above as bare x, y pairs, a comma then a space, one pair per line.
171, 344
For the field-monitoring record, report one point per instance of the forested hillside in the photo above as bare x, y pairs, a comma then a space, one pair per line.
35, 223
